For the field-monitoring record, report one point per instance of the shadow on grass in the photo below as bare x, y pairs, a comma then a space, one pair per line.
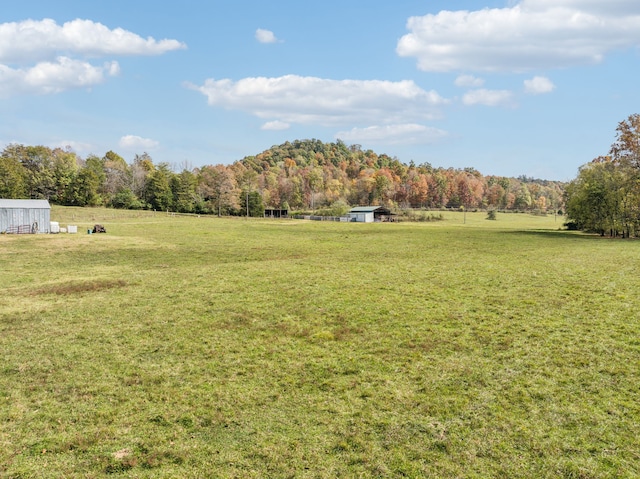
562, 235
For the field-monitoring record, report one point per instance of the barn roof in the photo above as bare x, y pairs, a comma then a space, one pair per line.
367, 209
39, 204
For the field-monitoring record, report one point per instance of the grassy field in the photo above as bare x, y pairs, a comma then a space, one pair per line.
204, 347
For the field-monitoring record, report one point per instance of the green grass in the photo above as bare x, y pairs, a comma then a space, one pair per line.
205, 347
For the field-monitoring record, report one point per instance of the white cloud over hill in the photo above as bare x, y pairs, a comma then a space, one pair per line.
311, 100
531, 34
406, 134
134, 142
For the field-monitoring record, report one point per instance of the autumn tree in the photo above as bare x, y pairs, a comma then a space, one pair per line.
523, 199
37, 162
384, 185
605, 197
315, 181
418, 188
247, 180
362, 190
118, 179
218, 188
438, 191
625, 153
626, 147
495, 195
141, 169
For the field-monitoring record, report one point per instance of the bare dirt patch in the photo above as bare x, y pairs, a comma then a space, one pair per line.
75, 287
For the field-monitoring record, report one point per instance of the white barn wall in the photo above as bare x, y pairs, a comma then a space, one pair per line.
362, 217
16, 213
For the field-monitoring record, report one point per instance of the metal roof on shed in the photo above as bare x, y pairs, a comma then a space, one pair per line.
39, 204
364, 209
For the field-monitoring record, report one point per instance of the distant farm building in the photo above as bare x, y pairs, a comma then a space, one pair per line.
369, 214
276, 213
24, 216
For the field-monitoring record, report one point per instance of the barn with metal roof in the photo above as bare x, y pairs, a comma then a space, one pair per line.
369, 214
24, 216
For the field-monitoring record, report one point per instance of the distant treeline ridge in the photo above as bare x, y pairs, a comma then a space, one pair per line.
299, 175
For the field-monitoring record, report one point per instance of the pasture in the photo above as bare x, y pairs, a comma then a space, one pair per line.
205, 347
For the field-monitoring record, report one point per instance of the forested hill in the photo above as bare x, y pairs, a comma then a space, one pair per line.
298, 175
308, 152
290, 172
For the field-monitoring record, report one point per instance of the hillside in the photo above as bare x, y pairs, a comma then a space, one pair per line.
309, 171
303, 174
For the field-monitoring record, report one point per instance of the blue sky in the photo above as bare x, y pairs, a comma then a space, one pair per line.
530, 87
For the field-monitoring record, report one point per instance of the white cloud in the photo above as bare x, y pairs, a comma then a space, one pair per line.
311, 100
469, 81
53, 77
133, 142
410, 133
531, 34
41, 57
266, 36
275, 125
617, 7
76, 146
36, 40
114, 68
488, 97
538, 85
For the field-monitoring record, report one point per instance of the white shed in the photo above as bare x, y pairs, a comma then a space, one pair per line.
24, 216
368, 214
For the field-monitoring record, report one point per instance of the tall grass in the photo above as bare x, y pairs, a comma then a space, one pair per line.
201, 347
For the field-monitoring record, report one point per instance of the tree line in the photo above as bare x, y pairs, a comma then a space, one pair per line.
605, 196
303, 175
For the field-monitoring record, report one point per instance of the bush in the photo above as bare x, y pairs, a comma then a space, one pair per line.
491, 215
337, 208
572, 226
125, 199
412, 215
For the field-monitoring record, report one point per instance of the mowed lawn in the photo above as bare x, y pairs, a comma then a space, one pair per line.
204, 347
